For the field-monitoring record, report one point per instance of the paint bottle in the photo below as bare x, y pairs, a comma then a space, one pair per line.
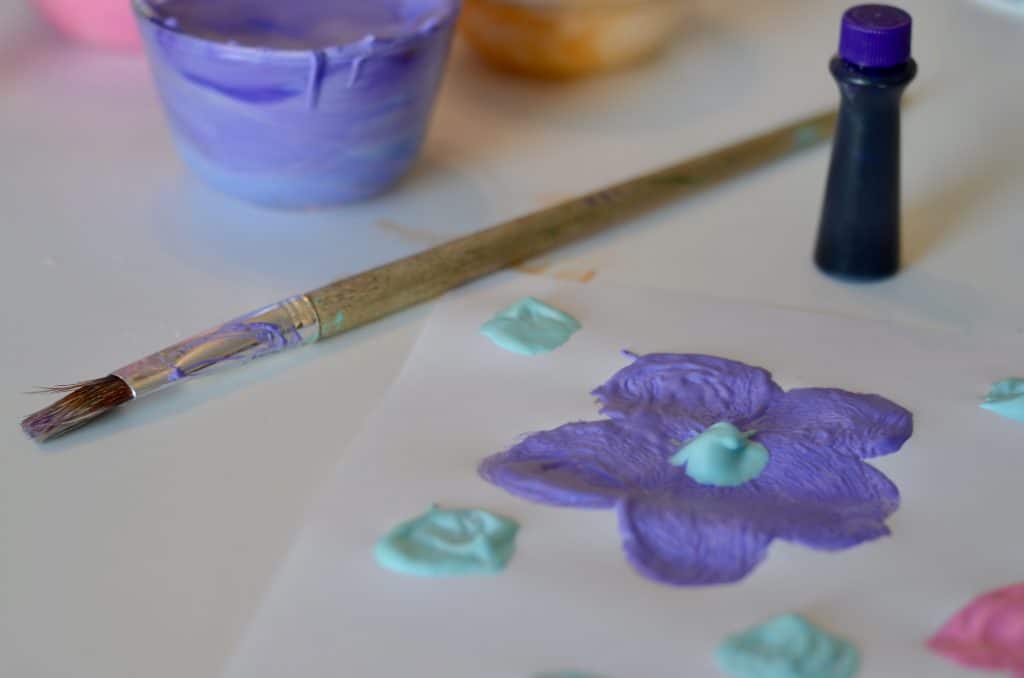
859, 233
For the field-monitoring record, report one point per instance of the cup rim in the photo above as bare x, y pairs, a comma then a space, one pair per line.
445, 16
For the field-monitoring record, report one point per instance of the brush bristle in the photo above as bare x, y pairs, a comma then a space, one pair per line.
83, 403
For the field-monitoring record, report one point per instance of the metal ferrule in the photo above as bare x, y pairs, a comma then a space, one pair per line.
288, 323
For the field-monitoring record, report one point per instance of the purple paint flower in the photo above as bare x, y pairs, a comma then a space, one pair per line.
814, 490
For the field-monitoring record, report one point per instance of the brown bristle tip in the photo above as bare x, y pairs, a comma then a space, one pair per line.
83, 403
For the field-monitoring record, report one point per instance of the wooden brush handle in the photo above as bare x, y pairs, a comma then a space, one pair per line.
365, 297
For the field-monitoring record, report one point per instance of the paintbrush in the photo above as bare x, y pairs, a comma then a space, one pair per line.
349, 303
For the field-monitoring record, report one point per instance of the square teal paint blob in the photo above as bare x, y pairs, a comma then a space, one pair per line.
449, 543
787, 647
530, 327
1006, 399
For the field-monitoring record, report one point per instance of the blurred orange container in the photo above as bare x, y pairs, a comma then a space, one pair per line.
566, 38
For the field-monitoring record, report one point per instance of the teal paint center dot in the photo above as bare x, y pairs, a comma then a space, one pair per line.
722, 456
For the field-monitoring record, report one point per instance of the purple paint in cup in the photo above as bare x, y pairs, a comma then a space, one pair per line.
299, 103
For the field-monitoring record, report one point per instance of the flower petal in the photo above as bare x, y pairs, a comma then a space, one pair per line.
668, 542
821, 499
688, 391
804, 472
806, 495
584, 464
858, 424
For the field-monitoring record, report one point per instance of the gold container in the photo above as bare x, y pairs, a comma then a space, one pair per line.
568, 38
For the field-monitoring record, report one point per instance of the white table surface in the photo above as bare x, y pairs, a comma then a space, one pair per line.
141, 546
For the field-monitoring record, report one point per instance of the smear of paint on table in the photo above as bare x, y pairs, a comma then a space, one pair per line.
543, 267
410, 234
787, 647
1006, 399
530, 327
446, 543
551, 199
988, 633
722, 456
815, 489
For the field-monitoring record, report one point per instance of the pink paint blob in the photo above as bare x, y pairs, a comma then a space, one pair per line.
988, 633
104, 23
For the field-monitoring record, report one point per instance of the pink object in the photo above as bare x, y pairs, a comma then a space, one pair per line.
105, 23
988, 633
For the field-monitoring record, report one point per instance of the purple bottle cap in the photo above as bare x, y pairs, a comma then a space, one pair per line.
875, 36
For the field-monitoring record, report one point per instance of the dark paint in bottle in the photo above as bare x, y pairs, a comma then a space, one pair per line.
859, 233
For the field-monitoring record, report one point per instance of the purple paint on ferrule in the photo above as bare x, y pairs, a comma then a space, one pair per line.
299, 103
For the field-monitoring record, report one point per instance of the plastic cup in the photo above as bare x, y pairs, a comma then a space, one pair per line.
301, 103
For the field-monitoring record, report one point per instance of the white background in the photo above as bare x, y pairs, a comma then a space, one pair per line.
143, 546
568, 598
